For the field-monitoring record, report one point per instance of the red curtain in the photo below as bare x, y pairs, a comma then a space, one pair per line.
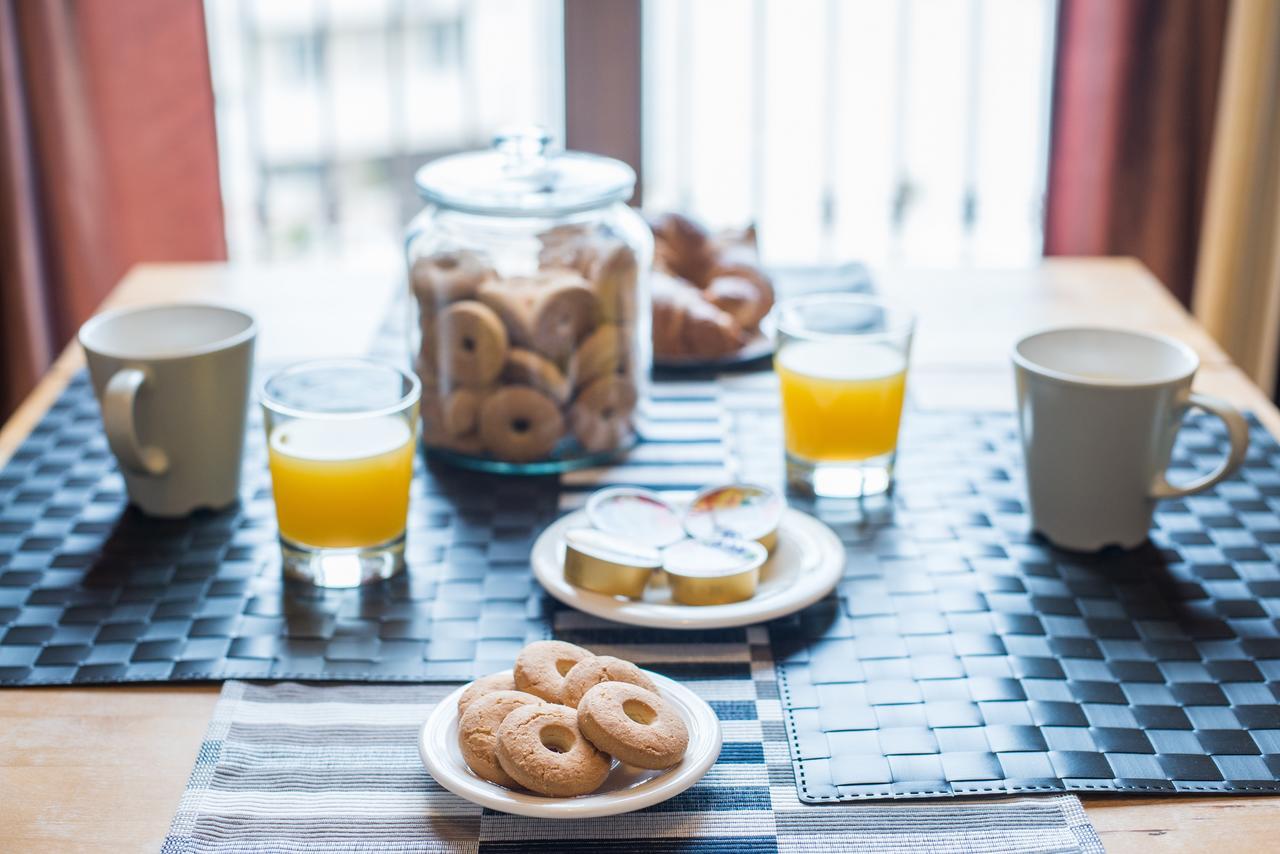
107, 158
1134, 97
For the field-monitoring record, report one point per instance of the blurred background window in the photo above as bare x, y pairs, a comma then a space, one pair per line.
873, 130
910, 132
913, 131
326, 107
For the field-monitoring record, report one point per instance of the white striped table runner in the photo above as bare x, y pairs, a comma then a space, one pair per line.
291, 767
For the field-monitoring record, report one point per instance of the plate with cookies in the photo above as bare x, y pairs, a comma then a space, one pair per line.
569, 734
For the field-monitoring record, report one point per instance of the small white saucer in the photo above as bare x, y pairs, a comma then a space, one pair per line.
806, 565
625, 790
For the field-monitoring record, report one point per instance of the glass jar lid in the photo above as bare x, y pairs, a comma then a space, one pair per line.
522, 175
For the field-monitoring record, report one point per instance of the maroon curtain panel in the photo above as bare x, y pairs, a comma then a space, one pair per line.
1135, 91
108, 157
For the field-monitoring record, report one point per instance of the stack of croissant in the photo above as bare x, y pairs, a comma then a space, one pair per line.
709, 290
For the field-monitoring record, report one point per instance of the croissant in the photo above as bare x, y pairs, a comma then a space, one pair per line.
740, 298
686, 325
709, 292
683, 248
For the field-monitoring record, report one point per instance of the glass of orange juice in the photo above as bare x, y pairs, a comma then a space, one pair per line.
341, 436
842, 364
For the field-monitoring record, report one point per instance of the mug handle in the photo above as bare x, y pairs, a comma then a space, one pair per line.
1237, 431
118, 402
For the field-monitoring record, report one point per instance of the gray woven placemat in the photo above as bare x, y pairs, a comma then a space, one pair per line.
298, 767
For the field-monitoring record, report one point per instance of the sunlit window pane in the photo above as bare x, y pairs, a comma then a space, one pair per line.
877, 130
325, 107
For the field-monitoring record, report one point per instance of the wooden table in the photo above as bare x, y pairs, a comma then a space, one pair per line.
93, 769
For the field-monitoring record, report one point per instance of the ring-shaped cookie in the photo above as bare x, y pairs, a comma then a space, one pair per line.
590, 672
601, 415
526, 367
462, 411
541, 667
514, 300
519, 424
478, 732
566, 313
541, 748
614, 277
485, 685
473, 344
635, 725
599, 354
445, 277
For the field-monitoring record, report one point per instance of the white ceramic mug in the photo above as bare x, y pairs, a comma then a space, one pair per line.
173, 384
1099, 410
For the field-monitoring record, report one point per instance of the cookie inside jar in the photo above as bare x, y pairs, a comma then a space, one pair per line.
537, 367
528, 270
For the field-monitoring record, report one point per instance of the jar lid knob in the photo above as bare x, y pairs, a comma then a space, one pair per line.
526, 149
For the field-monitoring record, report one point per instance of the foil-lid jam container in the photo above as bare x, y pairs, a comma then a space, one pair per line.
736, 510
607, 563
713, 572
641, 515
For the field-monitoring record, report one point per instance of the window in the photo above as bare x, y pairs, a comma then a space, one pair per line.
441, 45
877, 130
326, 107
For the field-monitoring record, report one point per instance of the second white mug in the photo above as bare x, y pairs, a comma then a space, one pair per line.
1098, 410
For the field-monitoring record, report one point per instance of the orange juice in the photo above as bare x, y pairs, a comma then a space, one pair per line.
841, 400
340, 483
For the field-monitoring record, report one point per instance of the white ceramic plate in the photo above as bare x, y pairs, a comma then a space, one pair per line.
806, 565
625, 789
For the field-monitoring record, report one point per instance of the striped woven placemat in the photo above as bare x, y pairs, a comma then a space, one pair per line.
304, 767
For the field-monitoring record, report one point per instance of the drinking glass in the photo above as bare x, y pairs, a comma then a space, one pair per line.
341, 436
842, 363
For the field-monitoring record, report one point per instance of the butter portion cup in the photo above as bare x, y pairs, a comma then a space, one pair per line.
743, 510
640, 515
713, 572
606, 563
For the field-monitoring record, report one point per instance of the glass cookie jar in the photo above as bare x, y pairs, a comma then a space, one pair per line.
529, 304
